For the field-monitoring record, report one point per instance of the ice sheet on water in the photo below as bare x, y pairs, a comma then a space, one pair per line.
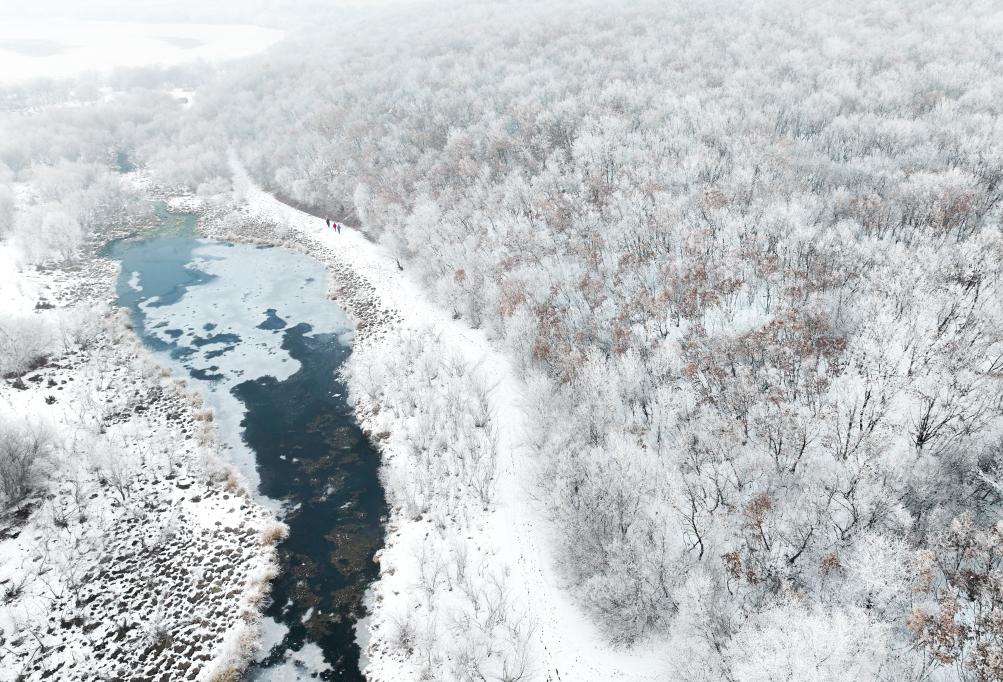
306, 664
272, 633
246, 282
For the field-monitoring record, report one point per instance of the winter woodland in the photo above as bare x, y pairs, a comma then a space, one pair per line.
746, 259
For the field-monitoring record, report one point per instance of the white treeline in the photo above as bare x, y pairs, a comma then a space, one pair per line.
451, 607
748, 256
64, 181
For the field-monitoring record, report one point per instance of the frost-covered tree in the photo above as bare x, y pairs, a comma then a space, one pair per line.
25, 451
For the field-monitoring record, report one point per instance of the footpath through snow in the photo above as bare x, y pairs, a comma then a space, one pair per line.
569, 647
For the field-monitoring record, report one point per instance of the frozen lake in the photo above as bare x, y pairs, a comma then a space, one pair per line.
63, 49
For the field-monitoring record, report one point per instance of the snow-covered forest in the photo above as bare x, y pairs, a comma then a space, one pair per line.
748, 258
738, 266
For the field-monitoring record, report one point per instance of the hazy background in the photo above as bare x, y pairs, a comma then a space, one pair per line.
281, 13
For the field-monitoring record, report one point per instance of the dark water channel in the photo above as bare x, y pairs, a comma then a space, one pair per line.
252, 327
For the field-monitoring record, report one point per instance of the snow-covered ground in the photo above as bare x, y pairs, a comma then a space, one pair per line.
513, 533
146, 554
63, 49
18, 293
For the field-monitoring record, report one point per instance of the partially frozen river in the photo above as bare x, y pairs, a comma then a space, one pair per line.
254, 329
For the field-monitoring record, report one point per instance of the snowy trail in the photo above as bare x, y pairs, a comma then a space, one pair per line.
572, 648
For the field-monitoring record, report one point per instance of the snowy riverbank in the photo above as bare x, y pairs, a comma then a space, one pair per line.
146, 556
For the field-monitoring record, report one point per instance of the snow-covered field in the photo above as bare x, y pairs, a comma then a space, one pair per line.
63, 49
502, 543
